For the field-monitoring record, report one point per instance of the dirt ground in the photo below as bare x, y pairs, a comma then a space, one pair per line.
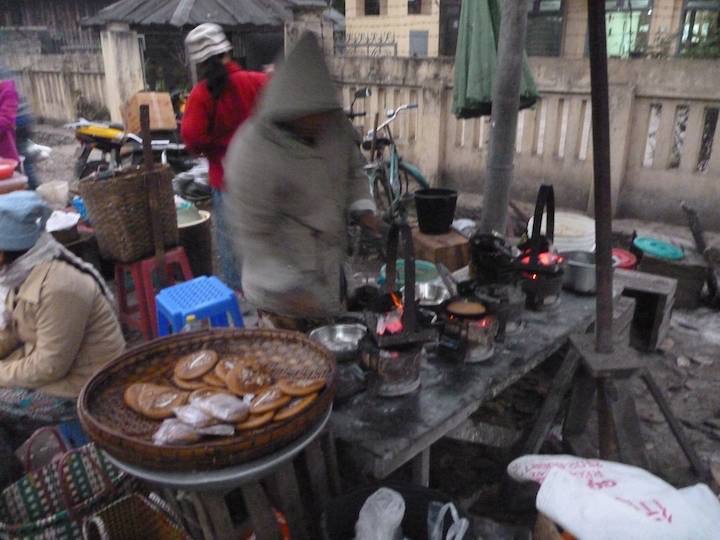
687, 369
62, 158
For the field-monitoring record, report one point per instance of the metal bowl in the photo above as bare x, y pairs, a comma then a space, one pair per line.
580, 272
431, 294
340, 339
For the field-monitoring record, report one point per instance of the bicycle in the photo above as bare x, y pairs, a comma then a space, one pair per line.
388, 173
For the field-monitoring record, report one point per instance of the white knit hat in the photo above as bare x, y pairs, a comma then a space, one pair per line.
206, 41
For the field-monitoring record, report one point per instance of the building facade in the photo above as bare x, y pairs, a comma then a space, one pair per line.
60, 20
635, 28
393, 27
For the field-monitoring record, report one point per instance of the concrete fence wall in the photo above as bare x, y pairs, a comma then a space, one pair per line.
663, 119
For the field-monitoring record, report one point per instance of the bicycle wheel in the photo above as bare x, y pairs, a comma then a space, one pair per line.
411, 177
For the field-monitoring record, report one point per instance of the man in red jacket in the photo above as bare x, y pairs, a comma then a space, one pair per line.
218, 105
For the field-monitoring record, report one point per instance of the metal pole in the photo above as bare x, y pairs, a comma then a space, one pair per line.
601, 166
505, 105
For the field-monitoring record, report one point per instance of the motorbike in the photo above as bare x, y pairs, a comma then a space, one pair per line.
119, 149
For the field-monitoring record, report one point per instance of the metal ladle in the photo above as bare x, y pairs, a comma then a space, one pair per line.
447, 279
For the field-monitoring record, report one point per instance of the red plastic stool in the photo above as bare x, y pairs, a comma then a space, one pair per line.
141, 314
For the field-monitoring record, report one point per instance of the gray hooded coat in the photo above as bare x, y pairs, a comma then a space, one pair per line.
287, 201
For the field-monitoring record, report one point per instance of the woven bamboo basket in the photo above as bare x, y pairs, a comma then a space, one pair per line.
135, 516
127, 435
119, 211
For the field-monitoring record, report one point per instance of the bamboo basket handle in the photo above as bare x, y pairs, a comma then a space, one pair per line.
161, 506
65, 488
95, 529
152, 188
28, 452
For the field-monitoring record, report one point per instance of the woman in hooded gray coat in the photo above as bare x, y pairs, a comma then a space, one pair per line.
294, 175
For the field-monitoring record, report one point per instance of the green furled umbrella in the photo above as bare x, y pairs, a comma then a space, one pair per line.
476, 60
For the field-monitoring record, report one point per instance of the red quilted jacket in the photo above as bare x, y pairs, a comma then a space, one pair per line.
235, 105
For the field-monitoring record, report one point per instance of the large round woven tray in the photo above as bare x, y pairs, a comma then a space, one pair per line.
128, 436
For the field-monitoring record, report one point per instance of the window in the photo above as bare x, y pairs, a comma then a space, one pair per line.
419, 7
372, 7
544, 28
449, 25
418, 42
700, 31
627, 25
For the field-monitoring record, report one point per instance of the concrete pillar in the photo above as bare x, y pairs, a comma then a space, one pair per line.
310, 17
575, 29
665, 25
433, 130
622, 100
124, 71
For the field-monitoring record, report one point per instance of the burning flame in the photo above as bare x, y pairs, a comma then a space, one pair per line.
487, 322
397, 301
391, 322
547, 258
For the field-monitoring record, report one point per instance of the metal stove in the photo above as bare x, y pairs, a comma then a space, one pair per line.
506, 302
394, 357
541, 269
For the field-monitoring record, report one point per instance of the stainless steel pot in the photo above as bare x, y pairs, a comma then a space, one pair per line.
430, 295
340, 339
579, 271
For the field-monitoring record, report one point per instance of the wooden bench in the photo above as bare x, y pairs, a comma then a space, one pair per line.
655, 297
690, 273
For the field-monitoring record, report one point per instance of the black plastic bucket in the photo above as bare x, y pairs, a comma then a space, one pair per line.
338, 520
435, 209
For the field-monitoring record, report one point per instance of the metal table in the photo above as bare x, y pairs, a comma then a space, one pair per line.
385, 433
210, 487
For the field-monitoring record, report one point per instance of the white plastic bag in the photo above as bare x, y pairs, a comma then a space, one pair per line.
173, 431
61, 221
193, 416
224, 407
381, 516
602, 500
55, 193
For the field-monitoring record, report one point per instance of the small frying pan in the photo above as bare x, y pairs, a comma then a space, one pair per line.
459, 306
465, 308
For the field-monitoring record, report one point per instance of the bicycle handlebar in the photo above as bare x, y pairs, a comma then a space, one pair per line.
392, 118
352, 115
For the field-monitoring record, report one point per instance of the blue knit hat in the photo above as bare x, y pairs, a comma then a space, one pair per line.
22, 220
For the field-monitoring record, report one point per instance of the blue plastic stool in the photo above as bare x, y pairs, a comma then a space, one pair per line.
73, 433
204, 297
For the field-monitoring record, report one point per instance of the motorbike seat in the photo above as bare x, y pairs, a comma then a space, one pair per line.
117, 125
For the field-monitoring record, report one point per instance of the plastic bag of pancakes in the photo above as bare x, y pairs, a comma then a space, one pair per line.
218, 396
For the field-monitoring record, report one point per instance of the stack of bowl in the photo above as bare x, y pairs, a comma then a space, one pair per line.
573, 232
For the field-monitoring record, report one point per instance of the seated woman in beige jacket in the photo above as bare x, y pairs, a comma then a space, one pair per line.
57, 323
